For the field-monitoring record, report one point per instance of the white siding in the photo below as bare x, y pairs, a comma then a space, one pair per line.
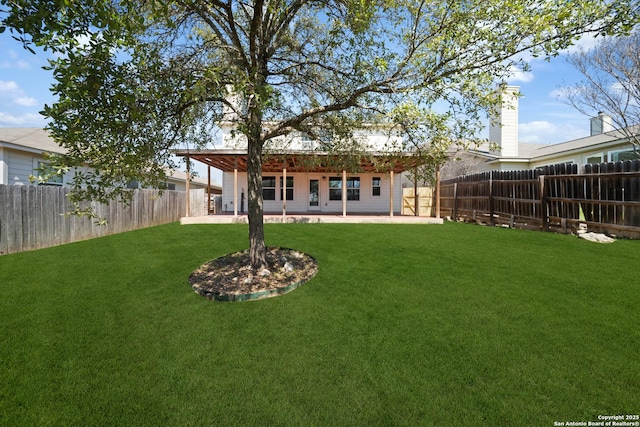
20, 167
375, 140
581, 157
368, 203
503, 129
4, 166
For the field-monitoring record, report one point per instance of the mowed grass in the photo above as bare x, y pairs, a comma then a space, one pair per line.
403, 325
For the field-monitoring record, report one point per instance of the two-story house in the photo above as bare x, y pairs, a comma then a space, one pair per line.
298, 176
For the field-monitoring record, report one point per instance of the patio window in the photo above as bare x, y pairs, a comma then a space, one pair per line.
375, 185
268, 187
289, 188
335, 188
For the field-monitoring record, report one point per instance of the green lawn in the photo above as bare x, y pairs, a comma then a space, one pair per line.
403, 325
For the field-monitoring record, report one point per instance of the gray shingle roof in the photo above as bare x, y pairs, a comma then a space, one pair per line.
34, 139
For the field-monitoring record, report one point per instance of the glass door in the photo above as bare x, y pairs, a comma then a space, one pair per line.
314, 195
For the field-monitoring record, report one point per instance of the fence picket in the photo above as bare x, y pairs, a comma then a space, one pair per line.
606, 196
33, 217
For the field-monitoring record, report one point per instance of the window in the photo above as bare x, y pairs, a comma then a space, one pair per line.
43, 168
375, 185
289, 188
618, 156
353, 188
335, 188
269, 187
594, 159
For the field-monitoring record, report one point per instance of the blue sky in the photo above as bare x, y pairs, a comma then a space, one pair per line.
24, 90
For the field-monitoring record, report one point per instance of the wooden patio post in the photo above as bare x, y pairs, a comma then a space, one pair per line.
391, 193
235, 188
208, 190
416, 196
543, 204
284, 189
188, 187
344, 193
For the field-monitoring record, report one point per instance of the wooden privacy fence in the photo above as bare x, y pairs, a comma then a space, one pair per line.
604, 196
33, 217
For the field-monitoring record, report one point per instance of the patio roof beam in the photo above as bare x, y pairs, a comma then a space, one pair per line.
294, 161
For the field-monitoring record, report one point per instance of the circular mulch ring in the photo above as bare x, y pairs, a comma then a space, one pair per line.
231, 278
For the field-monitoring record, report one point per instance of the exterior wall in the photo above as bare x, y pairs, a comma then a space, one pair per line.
503, 129
19, 166
368, 203
181, 185
16, 167
605, 154
373, 139
4, 166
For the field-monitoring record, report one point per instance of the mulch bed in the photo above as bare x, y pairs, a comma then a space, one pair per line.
232, 275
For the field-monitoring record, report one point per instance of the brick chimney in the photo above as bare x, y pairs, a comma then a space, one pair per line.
503, 130
602, 123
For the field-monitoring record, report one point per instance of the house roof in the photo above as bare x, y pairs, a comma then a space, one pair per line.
529, 152
179, 176
301, 161
589, 142
35, 140
38, 140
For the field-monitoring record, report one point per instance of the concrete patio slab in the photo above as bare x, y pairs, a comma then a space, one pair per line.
312, 219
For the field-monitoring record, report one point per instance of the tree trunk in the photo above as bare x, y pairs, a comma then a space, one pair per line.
258, 250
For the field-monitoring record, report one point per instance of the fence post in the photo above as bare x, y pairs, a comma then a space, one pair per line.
455, 201
543, 205
491, 220
437, 191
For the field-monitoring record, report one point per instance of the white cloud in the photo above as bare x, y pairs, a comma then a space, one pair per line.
8, 86
29, 119
586, 42
521, 76
545, 132
26, 101
14, 62
10, 90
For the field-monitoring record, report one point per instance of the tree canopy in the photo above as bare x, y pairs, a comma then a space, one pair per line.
136, 77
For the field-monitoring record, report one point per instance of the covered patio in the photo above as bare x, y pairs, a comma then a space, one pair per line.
301, 161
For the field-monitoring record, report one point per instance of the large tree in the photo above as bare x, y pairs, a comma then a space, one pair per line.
136, 77
611, 83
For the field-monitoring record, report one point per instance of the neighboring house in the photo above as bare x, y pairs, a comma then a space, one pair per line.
22, 153
297, 177
604, 144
